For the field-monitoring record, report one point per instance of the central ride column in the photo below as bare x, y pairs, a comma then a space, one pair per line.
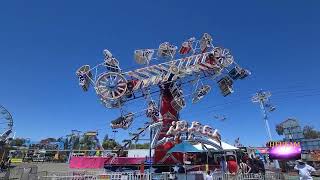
169, 114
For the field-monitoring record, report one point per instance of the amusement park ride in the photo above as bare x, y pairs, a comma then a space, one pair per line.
76, 137
6, 124
165, 71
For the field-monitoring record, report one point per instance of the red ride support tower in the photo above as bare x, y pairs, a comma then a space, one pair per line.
169, 114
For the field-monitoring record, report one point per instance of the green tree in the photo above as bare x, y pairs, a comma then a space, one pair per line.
310, 133
74, 142
142, 146
18, 142
48, 140
87, 142
106, 138
110, 144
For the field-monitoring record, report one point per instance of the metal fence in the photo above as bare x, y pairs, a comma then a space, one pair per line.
86, 177
163, 176
109, 176
249, 176
75, 173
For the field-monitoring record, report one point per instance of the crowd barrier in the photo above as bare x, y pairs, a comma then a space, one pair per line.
75, 173
163, 176
249, 176
89, 177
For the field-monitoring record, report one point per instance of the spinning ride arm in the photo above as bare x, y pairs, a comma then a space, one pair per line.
115, 87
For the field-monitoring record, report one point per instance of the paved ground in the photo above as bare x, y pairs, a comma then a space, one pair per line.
51, 167
41, 168
63, 168
47, 166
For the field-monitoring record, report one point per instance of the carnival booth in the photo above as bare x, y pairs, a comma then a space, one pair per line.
198, 145
213, 155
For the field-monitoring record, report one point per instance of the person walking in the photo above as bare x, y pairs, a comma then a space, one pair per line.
223, 165
258, 166
208, 176
173, 176
305, 170
244, 167
232, 166
2, 166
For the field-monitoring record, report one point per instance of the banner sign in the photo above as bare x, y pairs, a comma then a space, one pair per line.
284, 150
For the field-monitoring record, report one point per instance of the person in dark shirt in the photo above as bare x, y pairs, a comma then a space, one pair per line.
251, 164
259, 165
255, 166
2, 166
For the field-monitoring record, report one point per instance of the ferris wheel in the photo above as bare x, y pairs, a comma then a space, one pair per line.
6, 124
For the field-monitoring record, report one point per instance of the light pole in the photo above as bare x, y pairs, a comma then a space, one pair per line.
262, 97
114, 134
150, 153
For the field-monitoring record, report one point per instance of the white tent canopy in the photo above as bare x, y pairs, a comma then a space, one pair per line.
225, 146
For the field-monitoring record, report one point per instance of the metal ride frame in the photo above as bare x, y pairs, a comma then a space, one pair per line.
6, 120
198, 59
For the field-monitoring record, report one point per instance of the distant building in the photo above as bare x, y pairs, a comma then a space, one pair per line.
293, 132
311, 149
47, 146
310, 144
139, 152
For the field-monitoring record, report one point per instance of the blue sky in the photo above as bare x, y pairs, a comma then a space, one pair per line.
42, 43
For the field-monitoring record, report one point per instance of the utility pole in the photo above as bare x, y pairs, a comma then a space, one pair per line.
262, 97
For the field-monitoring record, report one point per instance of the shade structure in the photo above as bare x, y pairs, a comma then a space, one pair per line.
225, 146
184, 147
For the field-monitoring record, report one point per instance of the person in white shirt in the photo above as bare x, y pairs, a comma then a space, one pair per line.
208, 176
304, 170
244, 167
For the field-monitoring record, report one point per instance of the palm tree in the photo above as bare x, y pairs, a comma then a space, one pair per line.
280, 129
